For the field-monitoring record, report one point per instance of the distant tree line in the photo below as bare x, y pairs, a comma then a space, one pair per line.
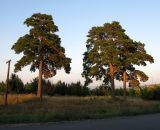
16, 85
60, 88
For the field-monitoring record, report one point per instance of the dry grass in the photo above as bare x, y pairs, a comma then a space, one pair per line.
17, 99
27, 108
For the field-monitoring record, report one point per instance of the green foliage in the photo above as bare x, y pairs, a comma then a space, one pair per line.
32, 86
41, 44
134, 92
101, 91
16, 84
102, 51
60, 88
131, 93
74, 89
119, 92
151, 92
2, 87
77, 89
132, 53
112, 54
29, 88
146, 92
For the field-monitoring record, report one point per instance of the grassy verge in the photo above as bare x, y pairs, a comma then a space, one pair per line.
27, 108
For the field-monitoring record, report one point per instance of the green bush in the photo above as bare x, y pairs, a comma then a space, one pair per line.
131, 92
101, 91
151, 92
119, 92
2, 87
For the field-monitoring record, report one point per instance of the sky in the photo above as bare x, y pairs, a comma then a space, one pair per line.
74, 18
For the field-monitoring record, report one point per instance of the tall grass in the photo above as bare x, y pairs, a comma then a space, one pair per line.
29, 109
17, 98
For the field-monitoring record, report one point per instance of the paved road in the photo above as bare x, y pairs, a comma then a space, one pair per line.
146, 122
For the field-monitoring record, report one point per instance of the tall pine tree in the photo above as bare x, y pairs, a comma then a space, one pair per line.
132, 53
101, 58
41, 48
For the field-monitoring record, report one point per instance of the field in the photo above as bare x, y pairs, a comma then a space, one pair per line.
27, 108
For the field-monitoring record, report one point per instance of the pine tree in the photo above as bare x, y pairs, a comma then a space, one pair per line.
41, 48
101, 58
112, 54
133, 53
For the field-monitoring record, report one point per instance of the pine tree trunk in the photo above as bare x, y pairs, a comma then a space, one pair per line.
112, 78
124, 84
39, 91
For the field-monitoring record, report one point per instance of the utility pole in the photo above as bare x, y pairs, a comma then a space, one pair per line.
6, 94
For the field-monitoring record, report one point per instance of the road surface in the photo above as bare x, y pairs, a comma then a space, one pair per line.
145, 122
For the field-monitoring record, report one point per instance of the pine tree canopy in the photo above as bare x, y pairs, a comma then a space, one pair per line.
41, 44
102, 45
109, 44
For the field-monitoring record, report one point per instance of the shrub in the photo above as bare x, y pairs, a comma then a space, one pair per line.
2, 87
131, 92
119, 92
151, 92
16, 84
101, 91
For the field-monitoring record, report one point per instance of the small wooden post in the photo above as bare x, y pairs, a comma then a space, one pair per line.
6, 94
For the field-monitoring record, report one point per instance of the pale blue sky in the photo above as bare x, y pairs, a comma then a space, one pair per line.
140, 19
